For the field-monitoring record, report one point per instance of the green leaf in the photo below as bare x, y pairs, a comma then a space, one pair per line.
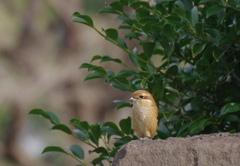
112, 34
197, 49
199, 28
124, 2
79, 124
237, 27
173, 70
54, 118
169, 30
204, 1
94, 75
131, 35
197, 104
95, 134
62, 127
147, 27
126, 73
230, 107
171, 97
86, 65
231, 118
122, 43
117, 6
108, 10
202, 64
111, 128
125, 125
180, 13
77, 151
101, 150
194, 15
122, 106
54, 149
96, 57
39, 112
84, 19
214, 10
82, 134
194, 127
204, 122
148, 48
122, 141
218, 53
106, 58
183, 130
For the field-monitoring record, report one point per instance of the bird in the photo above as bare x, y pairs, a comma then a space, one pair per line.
144, 115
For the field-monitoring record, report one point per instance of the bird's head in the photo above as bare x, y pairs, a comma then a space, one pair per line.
142, 97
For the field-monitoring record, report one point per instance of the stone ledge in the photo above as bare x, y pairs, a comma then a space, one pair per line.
220, 149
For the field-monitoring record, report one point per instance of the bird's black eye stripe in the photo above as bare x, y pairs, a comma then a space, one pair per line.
141, 96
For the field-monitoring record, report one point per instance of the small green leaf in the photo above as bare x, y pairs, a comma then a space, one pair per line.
39, 112
204, 122
82, 134
108, 10
84, 19
96, 57
199, 28
148, 48
194, 15
116, 6
180, 13
231, 118
95, 133
122, 43
77, 151
93, 76
79, 124
111, 128
106, 58
122, 106
237, 27
169, 30
230, 107
54, 118
171, 97
54, 149
214, 10
219, 52
101, 150
126, 73
197, 49
131, 35
173, 70
62, 127
122, 141
183, 131
86, 65
204, 1
147, 27
194, 127
112, 34
125, 125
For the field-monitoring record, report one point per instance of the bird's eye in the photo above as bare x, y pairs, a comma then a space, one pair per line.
141, 96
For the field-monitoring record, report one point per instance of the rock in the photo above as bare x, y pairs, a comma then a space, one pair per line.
221, 149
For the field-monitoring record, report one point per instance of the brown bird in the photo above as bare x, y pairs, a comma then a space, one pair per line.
144, 114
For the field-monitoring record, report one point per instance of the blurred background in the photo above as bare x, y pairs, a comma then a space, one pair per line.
40, 52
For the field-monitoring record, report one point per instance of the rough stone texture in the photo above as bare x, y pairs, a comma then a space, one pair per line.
221, 149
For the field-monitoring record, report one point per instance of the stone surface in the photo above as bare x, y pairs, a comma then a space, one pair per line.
221, 149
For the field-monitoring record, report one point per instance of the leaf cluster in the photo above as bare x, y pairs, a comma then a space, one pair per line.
91, 135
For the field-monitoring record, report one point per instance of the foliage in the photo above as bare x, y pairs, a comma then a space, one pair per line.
188, 58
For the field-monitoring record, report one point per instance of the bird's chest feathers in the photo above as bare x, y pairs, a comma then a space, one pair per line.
142, 110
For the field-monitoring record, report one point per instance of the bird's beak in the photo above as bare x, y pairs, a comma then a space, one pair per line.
131, 99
